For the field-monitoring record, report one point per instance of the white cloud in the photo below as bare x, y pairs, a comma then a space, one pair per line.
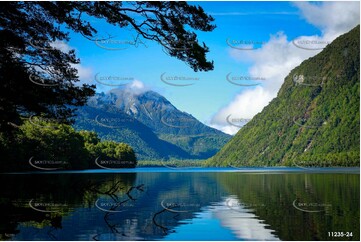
61, 45
86, 74
242, 107
276, 58
333, 18
135, 87
249, 13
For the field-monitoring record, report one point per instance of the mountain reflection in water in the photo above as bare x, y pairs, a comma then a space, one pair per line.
178, 206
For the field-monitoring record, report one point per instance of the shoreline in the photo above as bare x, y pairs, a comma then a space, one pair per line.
250, 170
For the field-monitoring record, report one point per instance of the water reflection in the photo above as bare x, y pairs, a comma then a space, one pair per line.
324, 202
178, 206
242, 221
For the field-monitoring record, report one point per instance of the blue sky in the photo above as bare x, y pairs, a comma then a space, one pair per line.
209, 97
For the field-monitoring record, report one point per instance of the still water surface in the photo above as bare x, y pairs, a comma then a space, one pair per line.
181, 204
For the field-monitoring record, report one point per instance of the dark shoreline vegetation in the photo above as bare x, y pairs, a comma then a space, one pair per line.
50, 145
54, 145
171, 163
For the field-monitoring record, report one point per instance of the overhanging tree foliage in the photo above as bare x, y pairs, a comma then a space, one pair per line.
38, 78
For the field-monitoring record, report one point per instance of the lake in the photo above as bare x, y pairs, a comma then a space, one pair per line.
182, 204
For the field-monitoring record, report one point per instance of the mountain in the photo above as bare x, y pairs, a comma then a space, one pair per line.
150, 124
313, 121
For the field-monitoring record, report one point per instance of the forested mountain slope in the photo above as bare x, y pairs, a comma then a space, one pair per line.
313, 121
